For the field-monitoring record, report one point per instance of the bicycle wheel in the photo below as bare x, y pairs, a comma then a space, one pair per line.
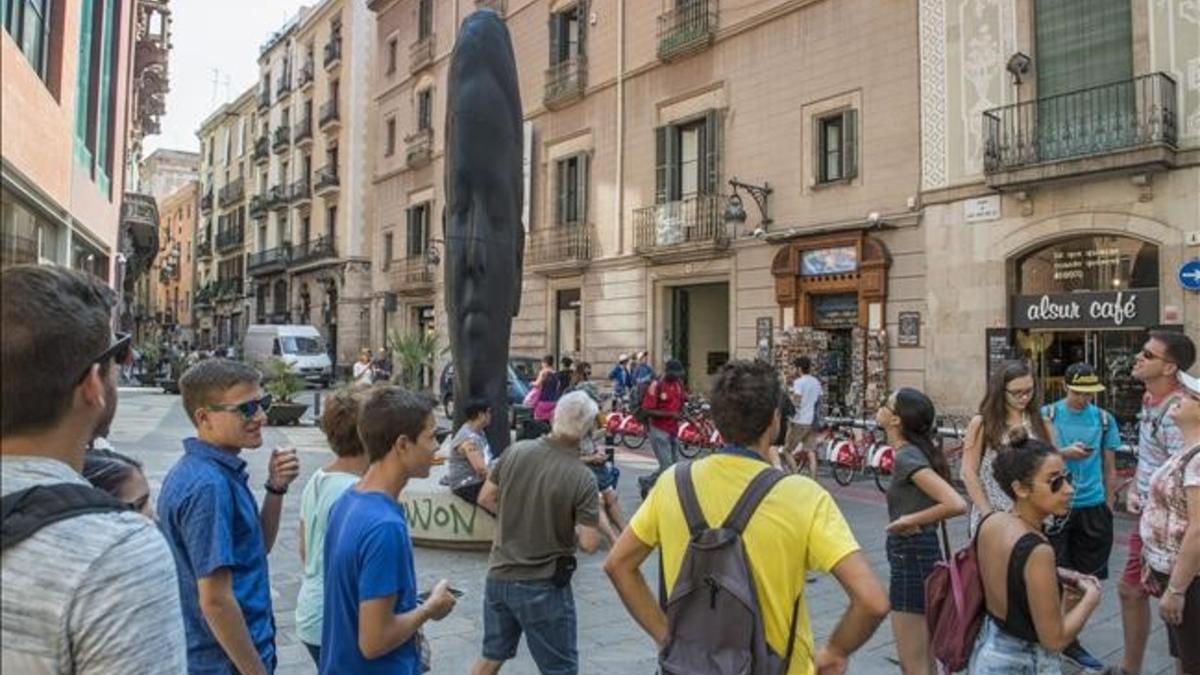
842, 472
883, 479
633, 441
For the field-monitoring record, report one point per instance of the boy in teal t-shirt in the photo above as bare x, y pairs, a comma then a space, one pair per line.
1088, 437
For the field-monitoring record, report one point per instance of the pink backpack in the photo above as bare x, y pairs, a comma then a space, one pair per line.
954, 604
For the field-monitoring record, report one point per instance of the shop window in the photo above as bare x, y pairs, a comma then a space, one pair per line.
836, 145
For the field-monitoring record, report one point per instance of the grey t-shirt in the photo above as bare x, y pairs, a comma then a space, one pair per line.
544, 492
458, 467
904, 496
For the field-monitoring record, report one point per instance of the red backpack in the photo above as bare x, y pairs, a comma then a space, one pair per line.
954, 604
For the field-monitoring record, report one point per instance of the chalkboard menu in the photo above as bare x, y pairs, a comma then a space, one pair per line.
999, 349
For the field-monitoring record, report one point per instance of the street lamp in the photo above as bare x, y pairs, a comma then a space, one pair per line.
735, 212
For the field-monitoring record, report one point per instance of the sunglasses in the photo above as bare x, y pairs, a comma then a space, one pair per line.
247, 409
1064, 478
120, 352
1151, 356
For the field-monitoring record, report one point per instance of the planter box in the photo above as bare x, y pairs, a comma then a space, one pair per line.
282, 414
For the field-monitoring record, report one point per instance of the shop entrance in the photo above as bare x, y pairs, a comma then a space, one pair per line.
698, 333
837, 316
1110, 352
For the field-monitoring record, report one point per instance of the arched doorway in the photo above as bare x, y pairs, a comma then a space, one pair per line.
1086, 298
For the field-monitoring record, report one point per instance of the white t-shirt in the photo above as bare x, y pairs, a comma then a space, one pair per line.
807, 390
362, 373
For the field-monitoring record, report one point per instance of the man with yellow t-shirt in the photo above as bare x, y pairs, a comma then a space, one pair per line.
796, 528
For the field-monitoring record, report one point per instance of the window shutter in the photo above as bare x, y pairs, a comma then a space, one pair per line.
850, 143
555, 35
581, 191
408, 232
661, 185
818, 151
560, 192
581, 14
711, 175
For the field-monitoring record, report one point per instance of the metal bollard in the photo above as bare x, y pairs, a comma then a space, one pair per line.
316, 404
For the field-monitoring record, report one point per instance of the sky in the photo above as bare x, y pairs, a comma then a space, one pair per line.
213, 34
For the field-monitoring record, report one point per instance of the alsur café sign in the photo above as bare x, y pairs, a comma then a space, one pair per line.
1136, 308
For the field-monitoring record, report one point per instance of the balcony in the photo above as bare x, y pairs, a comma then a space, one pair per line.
327, 118
283, 87
565, 81
305, 252
301, 192
302, 132
203, 297
229, 288
560, 249
258, 206
420, 53
692, 228
264, 100
277, 197
206, 201
497, 6
204, 249
231, 193
230, 239
268, 261
687, 28
418, 150
333, 53
412, 275
281, 138
304, 78
1127, 126
326, 182
262, 148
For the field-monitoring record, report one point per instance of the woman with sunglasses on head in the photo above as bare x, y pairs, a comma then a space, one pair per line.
919, 497
1026, 627
1012, 402
119, 476
1170, 532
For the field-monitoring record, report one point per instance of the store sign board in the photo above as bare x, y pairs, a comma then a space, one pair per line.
1116, 309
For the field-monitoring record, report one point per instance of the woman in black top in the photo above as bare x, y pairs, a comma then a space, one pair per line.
1026, 628
920, 496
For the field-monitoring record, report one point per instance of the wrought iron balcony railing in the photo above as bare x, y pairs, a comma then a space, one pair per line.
333, 52
308, 251
262, 148
1130, 114
258, 206
326, 177
420, 53
305, 76
268, 261
328, 114
206, 200
232, 192
686, 28
566, 80
413, 274
560, 245
419, 148
302, 132
694, 220
301, 191
283, 87
264, 99
230, 238
281, 138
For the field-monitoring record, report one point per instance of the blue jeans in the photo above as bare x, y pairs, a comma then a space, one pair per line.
998, 653
543, 611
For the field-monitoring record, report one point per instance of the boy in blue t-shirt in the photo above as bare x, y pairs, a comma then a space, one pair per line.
1088, 439
372, 616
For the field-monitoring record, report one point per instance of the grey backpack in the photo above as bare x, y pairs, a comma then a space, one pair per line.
714, 623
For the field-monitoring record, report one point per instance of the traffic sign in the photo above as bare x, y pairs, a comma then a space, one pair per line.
1189, 274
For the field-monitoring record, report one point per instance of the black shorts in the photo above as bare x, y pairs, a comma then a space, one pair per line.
1085, 542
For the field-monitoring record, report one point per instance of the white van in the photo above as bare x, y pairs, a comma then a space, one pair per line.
301, 346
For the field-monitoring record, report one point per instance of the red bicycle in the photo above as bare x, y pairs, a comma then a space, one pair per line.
697, 432
623, 427
858, 446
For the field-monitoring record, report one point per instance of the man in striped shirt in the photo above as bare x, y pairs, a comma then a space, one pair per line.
96, 593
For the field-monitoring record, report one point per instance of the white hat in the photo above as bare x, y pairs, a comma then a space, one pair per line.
622, 358
1192, 384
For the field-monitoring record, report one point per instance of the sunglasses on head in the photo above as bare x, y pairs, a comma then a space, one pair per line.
1064, 478
120, 352
247, 409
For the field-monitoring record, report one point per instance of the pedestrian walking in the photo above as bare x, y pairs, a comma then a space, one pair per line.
1026, 624
339, 422
90, 590
662, 404
644, 370
547, 504
779, 527
806, 396
919, 498
1157, 367
1088, 439
1011, 402
361, 371
621, 377
214, 525
373, 616
1170, 531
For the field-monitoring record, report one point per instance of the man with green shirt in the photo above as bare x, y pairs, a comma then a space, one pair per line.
1089, 438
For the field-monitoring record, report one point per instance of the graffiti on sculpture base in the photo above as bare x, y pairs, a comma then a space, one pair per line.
447, 518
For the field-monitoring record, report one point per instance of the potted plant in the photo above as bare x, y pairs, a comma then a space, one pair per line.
414, 353
282, 384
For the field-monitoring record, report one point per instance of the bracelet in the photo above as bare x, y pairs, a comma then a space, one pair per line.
274, 490
1172, 591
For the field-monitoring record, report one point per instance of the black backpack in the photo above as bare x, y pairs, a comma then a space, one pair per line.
29, 510
639, 394
714, 622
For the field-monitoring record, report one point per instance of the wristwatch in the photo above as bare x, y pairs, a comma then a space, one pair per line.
274, 490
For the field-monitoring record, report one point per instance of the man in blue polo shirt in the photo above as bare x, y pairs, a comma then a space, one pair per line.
1089, 438
214, 527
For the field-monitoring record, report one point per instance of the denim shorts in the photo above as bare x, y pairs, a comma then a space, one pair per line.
607, 475
911, 559
998, 653
543, 611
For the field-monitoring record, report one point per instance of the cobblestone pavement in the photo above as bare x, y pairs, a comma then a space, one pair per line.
149, 426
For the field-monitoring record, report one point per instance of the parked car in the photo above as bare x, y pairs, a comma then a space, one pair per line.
518, 387
301, 346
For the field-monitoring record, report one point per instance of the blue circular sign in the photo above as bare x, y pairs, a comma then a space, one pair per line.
1189, 274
